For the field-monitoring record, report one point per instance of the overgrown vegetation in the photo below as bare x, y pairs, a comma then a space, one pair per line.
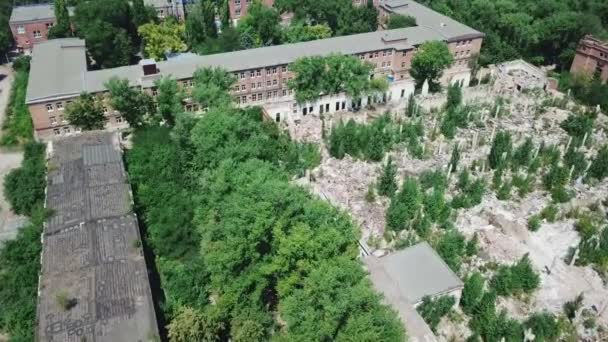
432, 310
225, 223
17, 127
20, 258
515, 279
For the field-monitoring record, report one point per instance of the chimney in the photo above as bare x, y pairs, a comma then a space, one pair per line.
148, 66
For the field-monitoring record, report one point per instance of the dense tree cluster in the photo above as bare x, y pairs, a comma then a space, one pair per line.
162, 38
238, 246
396, 21
110, 29
20, 258
544, 32
372, 141
348, 75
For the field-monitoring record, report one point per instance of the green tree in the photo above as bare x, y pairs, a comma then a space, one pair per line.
432, 310
454, 97
193, 325
132, 103
168, 36
108, 29
200, 23
429, 62
349, 75
62, 28
455, 158
516, 278
212, 87
404, 206
387, 185
396, 21
86, 112
472, 292
299, 32
544, 326
599, 165
142, 14
168, 100
500, 151
263, 23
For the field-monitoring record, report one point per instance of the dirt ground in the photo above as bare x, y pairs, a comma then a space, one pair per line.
9, 222
501, 225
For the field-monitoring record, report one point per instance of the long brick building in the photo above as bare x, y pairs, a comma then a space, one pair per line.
59, 70
591, 58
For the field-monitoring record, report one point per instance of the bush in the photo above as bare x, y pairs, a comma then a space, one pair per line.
451, 246
544, 326
501, 150
515, 279
549, 213
534, 223
404, 206
24, 187
472, 292
432, 310
387, 185
599, 165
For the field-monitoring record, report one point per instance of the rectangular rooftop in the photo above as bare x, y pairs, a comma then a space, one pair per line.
94, 284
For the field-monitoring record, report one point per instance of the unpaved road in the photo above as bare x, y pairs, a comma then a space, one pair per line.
9, 222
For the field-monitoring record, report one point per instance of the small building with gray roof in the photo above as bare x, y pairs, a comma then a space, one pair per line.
405, 277
30, 24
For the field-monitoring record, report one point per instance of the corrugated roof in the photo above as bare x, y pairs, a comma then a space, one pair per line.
426, 17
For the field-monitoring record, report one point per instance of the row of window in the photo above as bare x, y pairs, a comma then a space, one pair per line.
462, 53
37, 33
258, 72
464, 42
50, 107
260, 96
254, 85
376, 54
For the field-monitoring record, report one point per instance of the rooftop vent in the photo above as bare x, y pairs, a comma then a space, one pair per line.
148, 66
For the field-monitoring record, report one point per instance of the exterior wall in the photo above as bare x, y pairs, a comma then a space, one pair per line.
26, 40
591, 57
50, 123
238, 8
171, 9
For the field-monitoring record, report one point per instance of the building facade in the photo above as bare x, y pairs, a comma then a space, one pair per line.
238, 8
31, 24
59, 73
591, 58
165, 8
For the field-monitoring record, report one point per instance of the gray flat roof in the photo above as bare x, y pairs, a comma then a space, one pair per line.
418, 271
34, 12
426, 17
90, 252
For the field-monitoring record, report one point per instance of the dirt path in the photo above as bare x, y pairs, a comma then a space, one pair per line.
9, 222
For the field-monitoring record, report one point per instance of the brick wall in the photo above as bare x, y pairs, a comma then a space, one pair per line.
25, 35
591, 57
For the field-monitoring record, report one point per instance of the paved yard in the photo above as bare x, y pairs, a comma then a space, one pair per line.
9, 222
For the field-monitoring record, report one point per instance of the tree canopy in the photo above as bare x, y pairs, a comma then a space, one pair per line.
85, 113
396, 21
166, 37
212, 87
348, 74
132, 103
429, 62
